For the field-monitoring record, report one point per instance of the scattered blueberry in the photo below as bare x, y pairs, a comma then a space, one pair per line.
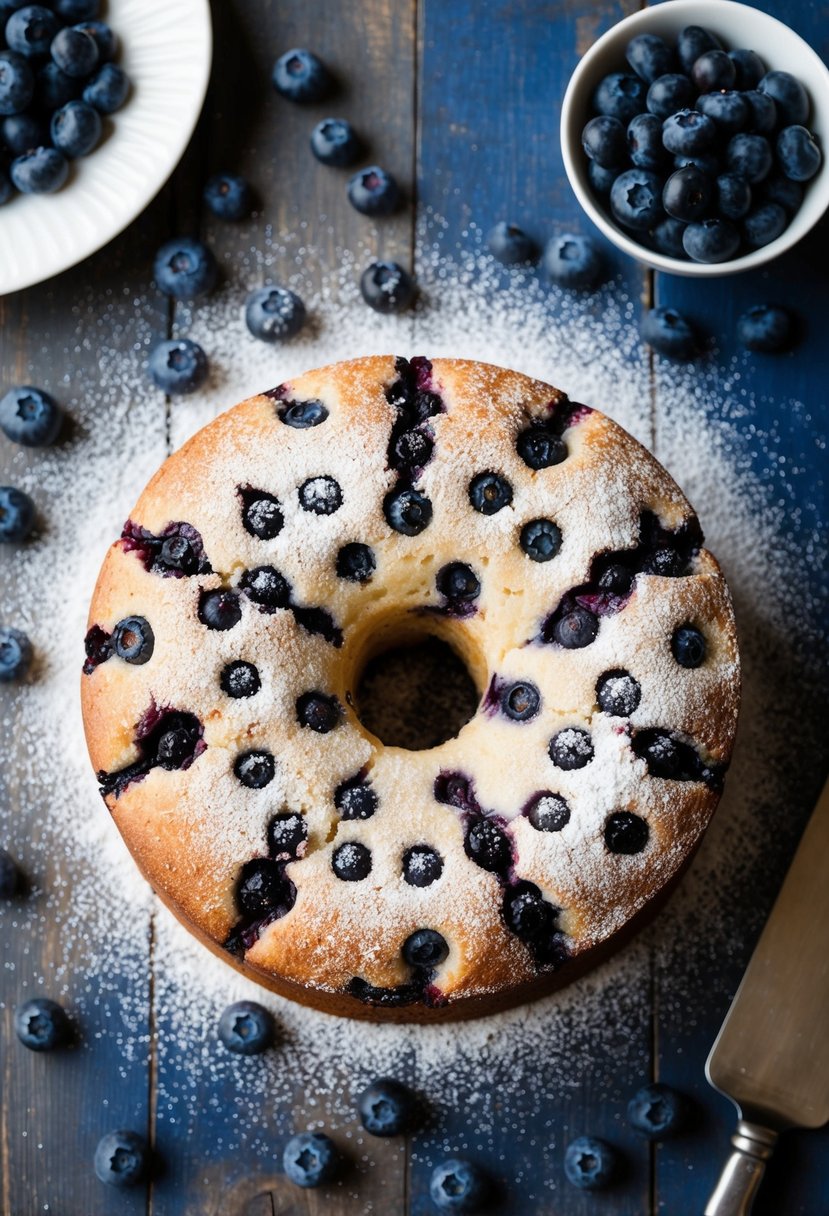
228, 196
520, 701
15, 654
488, 846
733, 195
262, 889
261, 514
133, 640
540, 540
603, 140
714, 70
644, 141
17, 514
108, 89
121, 1159
625, 832
310, 1159
246, 1028
75, 129
618, 693
656, 1111
255, 769
750, 156
458, 1186
548, 812
688, 132
573, 261
510, 245
788, 94
41, 1024
457, 581
749, 68
184, 268
41, 170
386, 1108
387, 287
571, 748
30, 30
649, 56
712, 240
688, 194
355, 799
287, 834
798, 153
320, 495
407, 511
335, 142
688, 646
425, 948
300, 76
19, 132
692, 42
317, 711
9, 875
219, 609
356, 563
411, 450
373, 191
29, 416
273, 314
422, 866
540, 448
489, 493
178, 365
266, 587
576, 628
590, 1163
729, 110
302, 414
240, 679
669, 333
17, 83
667, 237
74, 51
620, 96
636, 199
764, 224
765, 327
351, 861
668, 94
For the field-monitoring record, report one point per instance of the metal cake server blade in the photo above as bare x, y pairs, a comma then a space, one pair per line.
771, 1057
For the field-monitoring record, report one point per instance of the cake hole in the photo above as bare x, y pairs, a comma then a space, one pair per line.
416, 696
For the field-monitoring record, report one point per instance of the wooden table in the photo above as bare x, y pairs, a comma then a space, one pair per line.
463, 98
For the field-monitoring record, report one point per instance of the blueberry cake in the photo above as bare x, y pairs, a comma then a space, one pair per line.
364, 506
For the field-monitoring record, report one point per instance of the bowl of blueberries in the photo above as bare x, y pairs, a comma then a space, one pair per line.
693, 136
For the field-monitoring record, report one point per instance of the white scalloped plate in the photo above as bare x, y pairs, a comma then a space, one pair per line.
166, 47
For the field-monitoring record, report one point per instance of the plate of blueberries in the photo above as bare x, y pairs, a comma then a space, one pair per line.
98, 99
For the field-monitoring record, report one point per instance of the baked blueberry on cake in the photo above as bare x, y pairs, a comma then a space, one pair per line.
365, 506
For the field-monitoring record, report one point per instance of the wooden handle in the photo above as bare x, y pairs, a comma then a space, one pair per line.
742, 1174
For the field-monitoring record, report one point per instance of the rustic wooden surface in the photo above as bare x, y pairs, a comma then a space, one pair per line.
460, 99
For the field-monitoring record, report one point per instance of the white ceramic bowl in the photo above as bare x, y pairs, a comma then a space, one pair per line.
166, 48
737, 25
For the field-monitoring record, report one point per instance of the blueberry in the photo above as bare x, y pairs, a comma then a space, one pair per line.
261, 514
29, 416
121, 1159
310, 1159
620, 96
688, 132
320, 495
335, 142
53, 89
749, 68
644, 140
764, 224
9, 875
246, 1028
75, 52
255, 768
30, 30
649, 56
105, 38
520, 701
407, 511
767, 328
41, 1025
373, 191
667, 237
510, 244
787, 93
458, 1186
533, 919
713, 70
318, 711
656, 1110
422, 866
17, 83
133, 640
262, 888
571, 748
178, 365
576, 628
15, 655
184, 268
489, 493
108, 89
589, 1163
228, 196
20, 132
287, 834
548, 812
240, 679
540, 540
636, 199
488, 846
425, 948
219, 609
668, 94
266, 587
387, 287
669, 333
175, 747
713, 240
692, 42
39, 171
573, 261
762, 116
729, 110
616, 579
457, 581
706, 161
351, 861
17, 514
603, 140
356, 563
454, 789
300, 76
274, 314
688, 646
355, 799
750, 156
411, 450
625, 832
540, 448
688, 194
618, 694
733, 195
302, 414
75, 129
783, 191
798, 153
601, 179
386, 1108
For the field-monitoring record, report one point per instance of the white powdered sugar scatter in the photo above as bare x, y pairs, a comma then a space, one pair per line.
587, 346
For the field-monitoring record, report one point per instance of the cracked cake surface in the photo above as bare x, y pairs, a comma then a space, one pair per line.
363, 506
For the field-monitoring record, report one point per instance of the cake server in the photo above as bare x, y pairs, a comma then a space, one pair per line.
771, 1057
